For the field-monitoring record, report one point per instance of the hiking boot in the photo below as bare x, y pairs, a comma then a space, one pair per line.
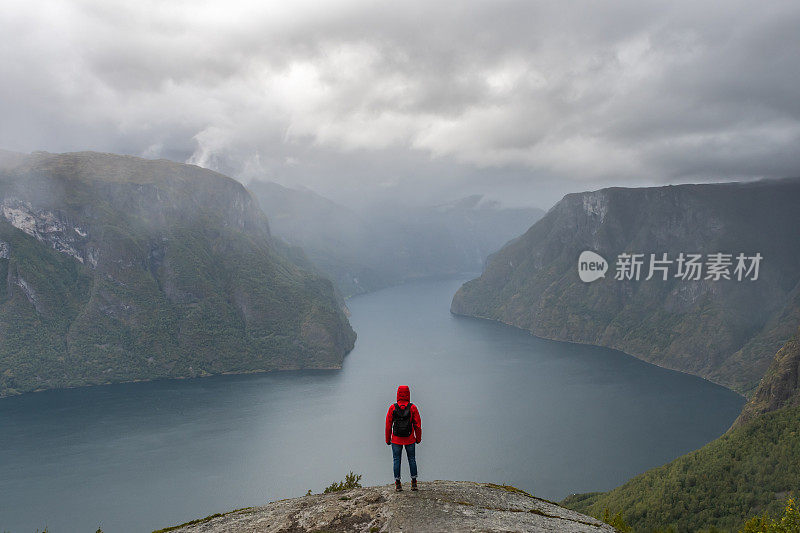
414, 484
398, 487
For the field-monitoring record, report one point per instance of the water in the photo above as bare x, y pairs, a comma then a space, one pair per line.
497, 404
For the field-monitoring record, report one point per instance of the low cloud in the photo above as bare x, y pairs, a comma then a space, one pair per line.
432, 99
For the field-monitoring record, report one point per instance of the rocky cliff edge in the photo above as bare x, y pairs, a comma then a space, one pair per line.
437, 506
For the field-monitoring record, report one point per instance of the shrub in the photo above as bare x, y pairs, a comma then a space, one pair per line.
616, 521
788, 523
351, 481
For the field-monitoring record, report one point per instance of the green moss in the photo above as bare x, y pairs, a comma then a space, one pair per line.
509, 488
203, 520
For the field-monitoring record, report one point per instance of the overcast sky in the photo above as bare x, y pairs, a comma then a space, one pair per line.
434, 100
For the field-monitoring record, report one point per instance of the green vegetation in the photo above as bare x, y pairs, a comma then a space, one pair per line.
780, 386
726, 331
351, 481
616, 521
203, 520
789, 522
510, 488
752, 469
179, 278
191, 522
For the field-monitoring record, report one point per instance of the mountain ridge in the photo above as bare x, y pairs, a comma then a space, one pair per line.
724, 331
368, 249
117, 268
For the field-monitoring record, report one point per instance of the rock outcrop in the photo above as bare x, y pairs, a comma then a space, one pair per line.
439, 506
780, 386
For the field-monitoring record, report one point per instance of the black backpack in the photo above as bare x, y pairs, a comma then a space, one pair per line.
401, 421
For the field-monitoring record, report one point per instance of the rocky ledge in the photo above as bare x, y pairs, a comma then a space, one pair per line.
437, 506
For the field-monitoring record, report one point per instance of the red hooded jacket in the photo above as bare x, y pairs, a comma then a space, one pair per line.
403, 399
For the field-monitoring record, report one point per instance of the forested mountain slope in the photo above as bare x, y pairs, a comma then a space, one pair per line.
723, 330
115, 268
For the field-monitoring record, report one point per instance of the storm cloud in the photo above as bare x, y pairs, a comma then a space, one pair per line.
424, 99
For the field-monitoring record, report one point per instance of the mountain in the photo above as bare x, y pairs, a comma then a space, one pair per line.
726, 331
116, 268
780, 386
750, 470
388, 244
334, 239
438, 506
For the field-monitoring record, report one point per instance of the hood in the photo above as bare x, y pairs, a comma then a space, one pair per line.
403, 394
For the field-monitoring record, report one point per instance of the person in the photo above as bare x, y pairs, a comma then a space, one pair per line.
403, 429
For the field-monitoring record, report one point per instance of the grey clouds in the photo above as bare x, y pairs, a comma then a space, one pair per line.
425, 100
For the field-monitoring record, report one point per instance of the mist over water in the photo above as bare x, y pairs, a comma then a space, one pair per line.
497, 404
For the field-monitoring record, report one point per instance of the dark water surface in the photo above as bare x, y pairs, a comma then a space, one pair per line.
497, 405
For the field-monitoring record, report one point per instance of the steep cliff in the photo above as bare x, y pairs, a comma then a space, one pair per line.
726, 331
116, 268
780, 386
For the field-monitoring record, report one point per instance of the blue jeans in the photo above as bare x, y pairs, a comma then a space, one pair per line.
397, 455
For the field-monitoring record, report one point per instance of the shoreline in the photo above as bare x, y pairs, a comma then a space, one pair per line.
172, 378
476, 317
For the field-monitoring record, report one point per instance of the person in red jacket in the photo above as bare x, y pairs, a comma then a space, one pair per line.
404, 428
